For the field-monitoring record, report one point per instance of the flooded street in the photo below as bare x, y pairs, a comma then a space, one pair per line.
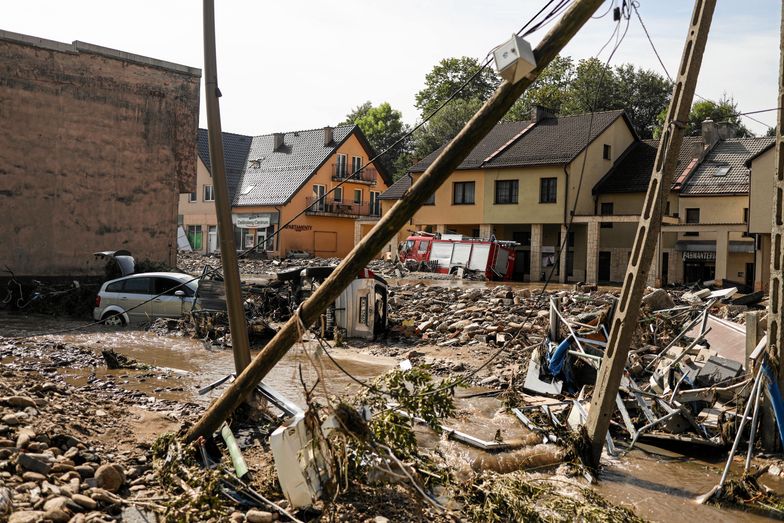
658, 486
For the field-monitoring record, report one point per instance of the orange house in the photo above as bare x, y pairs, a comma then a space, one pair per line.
310, 191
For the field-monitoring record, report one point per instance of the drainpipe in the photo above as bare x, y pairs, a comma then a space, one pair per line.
566, 194
277, 235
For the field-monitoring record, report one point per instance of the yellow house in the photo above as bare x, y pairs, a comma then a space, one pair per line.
760, 204
523, 182
311, 191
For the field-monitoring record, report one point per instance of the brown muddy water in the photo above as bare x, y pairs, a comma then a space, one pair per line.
659, 486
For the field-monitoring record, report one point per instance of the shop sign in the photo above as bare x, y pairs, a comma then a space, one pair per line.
699, 255
299, 228
252, 221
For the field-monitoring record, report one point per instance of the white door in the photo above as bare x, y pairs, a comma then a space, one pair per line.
212, 239
261, 240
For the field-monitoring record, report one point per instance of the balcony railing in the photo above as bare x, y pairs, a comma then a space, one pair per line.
340, 208
343, 171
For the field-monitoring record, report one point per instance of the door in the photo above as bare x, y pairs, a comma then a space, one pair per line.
212, 239
261, 240
665, 272
169, 305
605, 258
318, 197
375, 204
136, 291
750, 276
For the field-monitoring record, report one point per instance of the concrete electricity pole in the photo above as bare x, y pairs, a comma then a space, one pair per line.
628, 310
776, 291
438, 172
231, 273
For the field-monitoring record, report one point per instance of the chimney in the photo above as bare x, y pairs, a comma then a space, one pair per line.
698, 148
725, 130
540, 112
329, 137
277, 141
710, 133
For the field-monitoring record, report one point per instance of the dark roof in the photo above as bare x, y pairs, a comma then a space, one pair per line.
235, 151
762, 151
730, 156
397, 189
550, 141
632, 171
272, 177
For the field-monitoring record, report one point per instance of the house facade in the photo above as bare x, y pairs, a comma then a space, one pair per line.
95, 147
524, 187
280, 191
760, 204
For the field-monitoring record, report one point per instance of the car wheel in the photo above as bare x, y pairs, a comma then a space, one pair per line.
113, 319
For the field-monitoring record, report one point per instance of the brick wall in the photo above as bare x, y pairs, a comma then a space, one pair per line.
95, 147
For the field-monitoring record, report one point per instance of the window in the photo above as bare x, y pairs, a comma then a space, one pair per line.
318, 197
168, 287
548, 188
209, 193
363, 310
506, 191
375, 203
340, 165
722, 170
607, 210
138, 286
194, 237
745, 215
667, 208
431, 200
192, 197
115, 287
358, 196
247, 189
423, 245
607, 152
692, 216
337, 194
463, 193
356, 164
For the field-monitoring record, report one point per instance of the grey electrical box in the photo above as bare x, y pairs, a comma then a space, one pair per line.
514, 59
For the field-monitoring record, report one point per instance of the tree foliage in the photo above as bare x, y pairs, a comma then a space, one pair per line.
725, 110
383, 126
447, 77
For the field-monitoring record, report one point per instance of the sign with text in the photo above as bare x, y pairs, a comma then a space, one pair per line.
699, 255
252, 221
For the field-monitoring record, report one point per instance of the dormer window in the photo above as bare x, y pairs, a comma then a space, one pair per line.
722, 170
247, 189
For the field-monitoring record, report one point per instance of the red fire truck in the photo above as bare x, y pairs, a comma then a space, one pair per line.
448, 253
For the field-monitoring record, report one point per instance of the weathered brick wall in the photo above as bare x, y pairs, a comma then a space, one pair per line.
95, 147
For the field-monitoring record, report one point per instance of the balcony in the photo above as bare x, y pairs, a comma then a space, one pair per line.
367, 175
330, 207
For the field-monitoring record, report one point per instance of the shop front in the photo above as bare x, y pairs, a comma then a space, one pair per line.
699, 265
255, 230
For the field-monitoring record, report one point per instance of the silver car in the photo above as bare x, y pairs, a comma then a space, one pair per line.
135, 298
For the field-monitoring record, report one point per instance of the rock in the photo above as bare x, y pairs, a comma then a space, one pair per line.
658, 299
34, 462
24, 436
488, 381
10, 419
237, 517
26, 516
85, 471
6, 501
33, 476
137, 515
59, 502
20, 402
258, 516
110, 477
57, 516
84, 501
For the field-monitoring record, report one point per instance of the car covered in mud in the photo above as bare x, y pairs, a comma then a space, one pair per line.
143, 297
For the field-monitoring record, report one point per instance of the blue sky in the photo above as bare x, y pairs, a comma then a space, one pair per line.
304, 64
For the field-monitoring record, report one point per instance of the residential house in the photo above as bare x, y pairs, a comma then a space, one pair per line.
282, 180
704, 224
760, 204
522, 182
95, 147
527, 180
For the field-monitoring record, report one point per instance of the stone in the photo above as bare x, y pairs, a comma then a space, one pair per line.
259, 516
26, 516
85, 471
20, 402
34, 462
110, 477
10, 419
138, 515
57, 515
237, 517
24, 436
59, 502
33, 476
658, 299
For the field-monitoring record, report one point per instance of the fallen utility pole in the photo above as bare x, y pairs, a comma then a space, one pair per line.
231, 273
776, 291
628, 312
446, 162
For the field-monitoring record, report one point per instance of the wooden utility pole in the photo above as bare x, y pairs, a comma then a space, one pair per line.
628, 310
446, 162
231, 273
776, 291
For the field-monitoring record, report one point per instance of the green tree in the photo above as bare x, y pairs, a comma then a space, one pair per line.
594, 88
447, 77
444, 126
771, 131
383, 126
725, 110
643, 94
549, 90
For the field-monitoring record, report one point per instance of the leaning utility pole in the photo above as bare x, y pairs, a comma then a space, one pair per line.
446, 162
628, 311
231, 273
776, 291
